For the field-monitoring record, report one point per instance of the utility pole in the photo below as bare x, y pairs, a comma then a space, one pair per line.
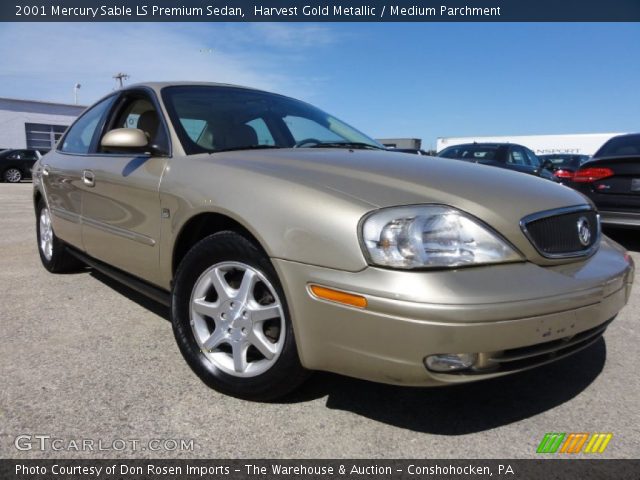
76, 87
120, 78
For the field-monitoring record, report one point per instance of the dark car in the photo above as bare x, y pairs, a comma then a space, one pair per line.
15, 165
504, 155
563, 165
611, 179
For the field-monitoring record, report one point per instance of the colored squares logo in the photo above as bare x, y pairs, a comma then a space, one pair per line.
574, 443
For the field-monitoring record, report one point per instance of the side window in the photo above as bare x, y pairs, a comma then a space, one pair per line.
516, 156
29, 155
78, 138
139, 112
302, 129
533, 160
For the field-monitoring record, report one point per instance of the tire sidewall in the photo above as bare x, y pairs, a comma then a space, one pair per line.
222, 247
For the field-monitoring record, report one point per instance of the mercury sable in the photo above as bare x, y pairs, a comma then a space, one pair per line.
285, 241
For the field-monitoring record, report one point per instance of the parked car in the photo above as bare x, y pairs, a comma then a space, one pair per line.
563, 165
611, 179
285, 241
16, 165
504, 155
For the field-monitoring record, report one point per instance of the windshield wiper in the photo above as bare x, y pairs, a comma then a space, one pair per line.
245, 147
345, 145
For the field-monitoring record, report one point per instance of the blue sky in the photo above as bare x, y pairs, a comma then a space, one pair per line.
389, 80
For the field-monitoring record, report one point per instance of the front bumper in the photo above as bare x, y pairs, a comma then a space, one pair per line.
516, 316
624, 219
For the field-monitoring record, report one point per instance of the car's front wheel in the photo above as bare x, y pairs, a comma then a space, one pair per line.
231, 320
12, 175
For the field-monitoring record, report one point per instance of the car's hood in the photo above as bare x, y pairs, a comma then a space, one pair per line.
499, 197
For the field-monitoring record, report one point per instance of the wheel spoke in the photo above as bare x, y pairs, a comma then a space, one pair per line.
262, 343
246, 287
239, 350
216, 338
220, 284
265, 313
201, 306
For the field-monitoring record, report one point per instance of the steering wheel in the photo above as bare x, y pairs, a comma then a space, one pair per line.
312, 141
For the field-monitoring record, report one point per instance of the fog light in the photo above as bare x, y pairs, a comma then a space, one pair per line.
450, 362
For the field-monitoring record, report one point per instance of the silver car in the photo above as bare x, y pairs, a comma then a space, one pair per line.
285, 241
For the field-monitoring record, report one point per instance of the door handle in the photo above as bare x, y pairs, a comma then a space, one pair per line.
88, 178
45, 170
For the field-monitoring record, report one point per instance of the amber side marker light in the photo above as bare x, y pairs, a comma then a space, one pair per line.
338, 297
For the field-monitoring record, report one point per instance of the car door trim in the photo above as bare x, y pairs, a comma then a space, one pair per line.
65, 214
121, 232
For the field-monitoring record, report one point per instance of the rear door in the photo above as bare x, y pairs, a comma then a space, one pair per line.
62, 171
121, 204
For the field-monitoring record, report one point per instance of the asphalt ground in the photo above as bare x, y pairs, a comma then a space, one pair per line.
83, 358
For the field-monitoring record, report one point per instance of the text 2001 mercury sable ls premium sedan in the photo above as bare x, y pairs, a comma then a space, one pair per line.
287, 241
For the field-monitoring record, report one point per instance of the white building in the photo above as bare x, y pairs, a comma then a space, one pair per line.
580, 143
34, 124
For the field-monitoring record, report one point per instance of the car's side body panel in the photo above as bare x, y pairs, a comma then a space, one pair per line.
62, 187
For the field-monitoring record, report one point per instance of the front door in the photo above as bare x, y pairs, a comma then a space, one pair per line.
121, 203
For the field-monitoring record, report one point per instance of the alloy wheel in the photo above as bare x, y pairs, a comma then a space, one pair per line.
13, 175
46, 234
237, 319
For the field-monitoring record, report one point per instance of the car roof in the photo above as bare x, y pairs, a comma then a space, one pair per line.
484, 144
160, 85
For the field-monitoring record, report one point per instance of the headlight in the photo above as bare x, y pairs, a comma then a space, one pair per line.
433, 236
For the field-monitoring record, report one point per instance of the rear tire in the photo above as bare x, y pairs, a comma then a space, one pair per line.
53, 253
231, 320
12, 175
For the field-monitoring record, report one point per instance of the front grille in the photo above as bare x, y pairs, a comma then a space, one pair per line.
561, 233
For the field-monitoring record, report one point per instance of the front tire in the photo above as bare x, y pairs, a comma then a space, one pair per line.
231, 320
53, 252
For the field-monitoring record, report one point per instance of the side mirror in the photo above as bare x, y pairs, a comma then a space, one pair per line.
125, 139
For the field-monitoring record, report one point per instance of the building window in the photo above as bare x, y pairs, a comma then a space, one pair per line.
43, 137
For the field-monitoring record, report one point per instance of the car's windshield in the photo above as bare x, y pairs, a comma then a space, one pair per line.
621, 146
214, 119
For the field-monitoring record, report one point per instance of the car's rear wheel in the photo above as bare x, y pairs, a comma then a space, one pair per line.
231, 320
53, 252
12, 175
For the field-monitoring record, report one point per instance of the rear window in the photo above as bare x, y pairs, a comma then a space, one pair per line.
565, 161
626, 145
470, 152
